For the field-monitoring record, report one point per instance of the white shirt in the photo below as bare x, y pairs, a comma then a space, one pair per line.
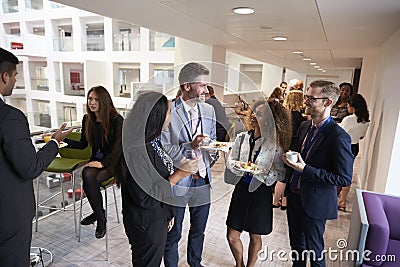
355, 129
2, 97
187, 107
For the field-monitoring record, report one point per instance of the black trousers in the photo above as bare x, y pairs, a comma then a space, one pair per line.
305, 233
15, 245
147, 241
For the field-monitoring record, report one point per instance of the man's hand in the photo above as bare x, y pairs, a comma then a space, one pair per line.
298, 166
60, 134
199, 140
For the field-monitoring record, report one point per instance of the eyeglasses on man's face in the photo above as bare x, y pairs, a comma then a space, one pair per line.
312, 99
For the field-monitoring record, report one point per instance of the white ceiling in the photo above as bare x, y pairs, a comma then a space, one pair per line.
336, 34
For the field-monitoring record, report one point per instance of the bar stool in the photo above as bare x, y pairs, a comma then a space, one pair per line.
104, 185
67, 162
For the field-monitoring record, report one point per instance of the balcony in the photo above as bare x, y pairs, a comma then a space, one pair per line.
74, 89
63, 44
10, 6
93, 43
33, 4
14, 42
126, 42
41, 84
161, 42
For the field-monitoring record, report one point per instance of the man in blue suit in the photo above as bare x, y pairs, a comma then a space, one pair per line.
192, 122
19, 165
324, 162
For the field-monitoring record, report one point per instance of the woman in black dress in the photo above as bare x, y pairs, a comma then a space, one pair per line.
101, 129
146, 174
250, 209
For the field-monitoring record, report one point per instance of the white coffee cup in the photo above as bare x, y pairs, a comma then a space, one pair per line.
292, 156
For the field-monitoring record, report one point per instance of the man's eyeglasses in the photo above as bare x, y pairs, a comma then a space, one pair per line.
312, 99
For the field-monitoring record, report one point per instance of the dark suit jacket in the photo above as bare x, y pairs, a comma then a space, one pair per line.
329, 164
222, 123
138, 206
19, 165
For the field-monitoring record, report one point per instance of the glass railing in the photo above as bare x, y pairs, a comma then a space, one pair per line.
10, 6
126, 42
20, 84
33, 4
93, 43
41, 84
56, 5
63, 44
122, 90
74, 89
161, 42
58, 86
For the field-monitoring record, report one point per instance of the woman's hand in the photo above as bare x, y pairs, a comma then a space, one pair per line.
188, 165
185, 168
95, 164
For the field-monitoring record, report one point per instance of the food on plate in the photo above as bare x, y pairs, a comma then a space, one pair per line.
248, 166
219, 145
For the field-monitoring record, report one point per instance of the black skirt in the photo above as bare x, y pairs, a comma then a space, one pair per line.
251, 212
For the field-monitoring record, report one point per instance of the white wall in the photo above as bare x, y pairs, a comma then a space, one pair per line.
271, 74
380, 157
291, 74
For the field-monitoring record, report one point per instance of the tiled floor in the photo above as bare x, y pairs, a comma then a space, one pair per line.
56, 233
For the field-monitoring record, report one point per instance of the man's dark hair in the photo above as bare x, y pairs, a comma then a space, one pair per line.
8, 62
210, 90
190, 72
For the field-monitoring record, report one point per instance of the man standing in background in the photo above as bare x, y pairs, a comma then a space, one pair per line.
222, 122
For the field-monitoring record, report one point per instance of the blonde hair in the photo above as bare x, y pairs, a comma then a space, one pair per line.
294, 100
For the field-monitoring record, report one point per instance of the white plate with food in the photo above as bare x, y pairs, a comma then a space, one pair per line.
218, 146
246, 166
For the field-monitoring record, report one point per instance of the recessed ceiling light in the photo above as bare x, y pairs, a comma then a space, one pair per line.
280, 38
243, 10
320, 69
323, 70
307, 59
313, 63
317, 67
265, 27
297, 52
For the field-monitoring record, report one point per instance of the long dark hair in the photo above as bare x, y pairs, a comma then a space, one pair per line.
156, 118
359, 104
138, 131
106, 112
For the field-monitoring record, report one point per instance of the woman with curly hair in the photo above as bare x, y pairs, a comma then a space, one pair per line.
356, 126
294, 103
250, 208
